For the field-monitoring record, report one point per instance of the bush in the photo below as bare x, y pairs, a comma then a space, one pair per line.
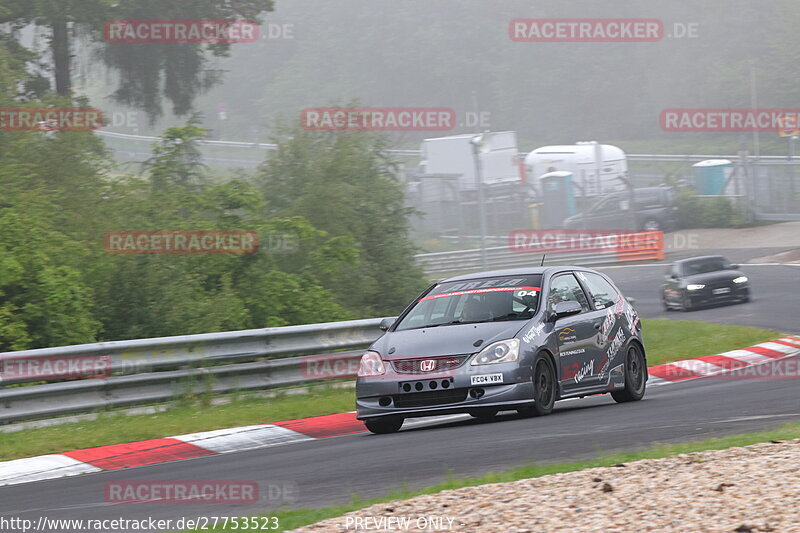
715, 212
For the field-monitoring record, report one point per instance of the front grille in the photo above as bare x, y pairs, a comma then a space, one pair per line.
423, 399
720, 285
442, 364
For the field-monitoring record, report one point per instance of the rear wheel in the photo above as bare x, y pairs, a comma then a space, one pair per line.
484, 413
544, 388
635, 377
383, 425
652, 225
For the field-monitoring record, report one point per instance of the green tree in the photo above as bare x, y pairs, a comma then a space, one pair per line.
146, 72
342, 183
44, 300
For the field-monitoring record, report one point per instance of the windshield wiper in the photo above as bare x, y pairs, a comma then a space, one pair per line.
511, 316
453, 323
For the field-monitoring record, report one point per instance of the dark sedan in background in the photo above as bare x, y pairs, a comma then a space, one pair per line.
705, 280
518, 339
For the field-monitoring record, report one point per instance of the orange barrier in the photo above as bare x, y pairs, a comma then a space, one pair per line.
643, 246
637, 246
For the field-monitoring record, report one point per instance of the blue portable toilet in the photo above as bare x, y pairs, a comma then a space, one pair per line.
711, 175
558, 199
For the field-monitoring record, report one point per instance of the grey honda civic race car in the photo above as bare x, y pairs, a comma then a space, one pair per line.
517, 339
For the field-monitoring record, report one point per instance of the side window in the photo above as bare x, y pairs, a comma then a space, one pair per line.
603, 293
566, 288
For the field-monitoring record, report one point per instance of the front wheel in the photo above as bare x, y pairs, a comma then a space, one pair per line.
635, 377
544, 389
383, 425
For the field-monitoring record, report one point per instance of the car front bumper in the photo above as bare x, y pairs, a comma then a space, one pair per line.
707, 297
429, 396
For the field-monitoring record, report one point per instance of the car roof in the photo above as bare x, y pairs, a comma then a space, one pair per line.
526, 271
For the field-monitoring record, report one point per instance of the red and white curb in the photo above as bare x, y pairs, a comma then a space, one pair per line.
206, 443
712, 365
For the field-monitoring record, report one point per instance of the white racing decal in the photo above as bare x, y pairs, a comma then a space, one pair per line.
532, 333
586, 370
619, 305
616, 344
631, 316
605, 329
484, 284
573, 352
486, 379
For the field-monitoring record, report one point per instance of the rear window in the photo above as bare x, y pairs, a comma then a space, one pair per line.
602, 292
471, 301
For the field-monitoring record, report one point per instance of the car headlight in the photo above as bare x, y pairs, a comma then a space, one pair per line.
694, 287
740, 279
371, 365
498, 352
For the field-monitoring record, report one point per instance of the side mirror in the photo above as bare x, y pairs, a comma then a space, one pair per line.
569, 308
735, 267
386, 323
630, 300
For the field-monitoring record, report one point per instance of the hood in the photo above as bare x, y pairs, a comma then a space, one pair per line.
444, 340
710, 277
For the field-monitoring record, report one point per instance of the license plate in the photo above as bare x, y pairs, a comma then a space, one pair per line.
486, 379
723, 290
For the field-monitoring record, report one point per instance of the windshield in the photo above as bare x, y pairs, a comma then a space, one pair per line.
708, 264
473, 301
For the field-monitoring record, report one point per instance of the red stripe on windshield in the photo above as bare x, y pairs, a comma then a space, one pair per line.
478, 291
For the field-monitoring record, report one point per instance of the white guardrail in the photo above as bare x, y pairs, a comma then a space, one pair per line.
83, 378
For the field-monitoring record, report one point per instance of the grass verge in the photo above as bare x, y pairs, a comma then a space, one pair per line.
184, 417
301, 517
673, 340
665, 340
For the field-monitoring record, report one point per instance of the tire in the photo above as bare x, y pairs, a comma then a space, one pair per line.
484, 413
384, 424
652, 224
544, 388
686, 303
635, 376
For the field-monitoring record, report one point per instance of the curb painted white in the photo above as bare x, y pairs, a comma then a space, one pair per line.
243, 438
42, 467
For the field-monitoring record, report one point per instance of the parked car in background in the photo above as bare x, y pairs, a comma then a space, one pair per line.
703, 281
654, 209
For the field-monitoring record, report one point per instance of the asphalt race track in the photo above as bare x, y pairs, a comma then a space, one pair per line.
774, 302
330, 471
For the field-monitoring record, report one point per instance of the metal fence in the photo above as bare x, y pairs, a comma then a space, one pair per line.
147, 371
463, 261
772, 183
